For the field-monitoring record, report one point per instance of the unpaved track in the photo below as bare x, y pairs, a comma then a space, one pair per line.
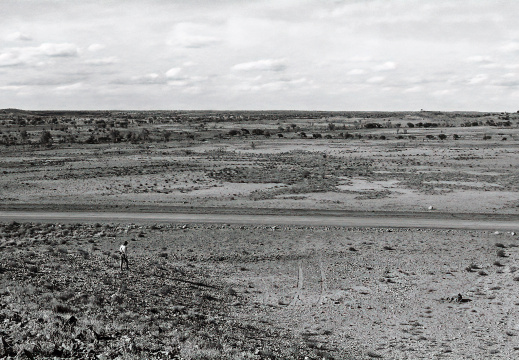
434, 222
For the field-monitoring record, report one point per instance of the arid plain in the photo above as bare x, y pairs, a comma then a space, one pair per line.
256, 291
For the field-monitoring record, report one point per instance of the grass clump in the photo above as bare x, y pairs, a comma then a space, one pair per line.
60, 308
32, 268
65, 296
62, 250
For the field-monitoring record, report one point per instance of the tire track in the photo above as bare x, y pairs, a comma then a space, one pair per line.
297, 295
324, 288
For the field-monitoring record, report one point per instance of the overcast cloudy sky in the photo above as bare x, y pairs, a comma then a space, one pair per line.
260, 54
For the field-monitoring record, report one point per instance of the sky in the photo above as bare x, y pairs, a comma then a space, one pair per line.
371, 55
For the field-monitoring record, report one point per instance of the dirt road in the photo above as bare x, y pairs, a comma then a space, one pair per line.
434, 222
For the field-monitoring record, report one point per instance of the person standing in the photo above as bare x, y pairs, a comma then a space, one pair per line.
123, 251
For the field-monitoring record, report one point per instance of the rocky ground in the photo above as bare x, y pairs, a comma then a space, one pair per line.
63, 295
257, 292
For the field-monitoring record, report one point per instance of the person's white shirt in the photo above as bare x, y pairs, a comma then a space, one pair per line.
122, 249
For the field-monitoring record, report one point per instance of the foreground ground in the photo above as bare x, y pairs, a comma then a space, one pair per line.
199, 291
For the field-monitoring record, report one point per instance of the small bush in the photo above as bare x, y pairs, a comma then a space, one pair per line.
85, 254
501, 253
62, 308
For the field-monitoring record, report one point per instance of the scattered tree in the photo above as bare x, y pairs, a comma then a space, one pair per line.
46, 138
166, 134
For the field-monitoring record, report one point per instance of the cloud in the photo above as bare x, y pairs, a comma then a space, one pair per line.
33, 55
148, 79
173, 73
388, 65
193, 35
58, 50
10, 59
361, 59
443, 92
413, 89
18, 36
376, 79
262, 65
95, 47
256, 84
479, 59
197, 41
69, 87
510, 47
47, 80
102, 61
356, 72
478, 79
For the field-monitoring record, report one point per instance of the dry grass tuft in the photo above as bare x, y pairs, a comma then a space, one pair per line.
472, 267
61, 308
65, 296
62, 250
